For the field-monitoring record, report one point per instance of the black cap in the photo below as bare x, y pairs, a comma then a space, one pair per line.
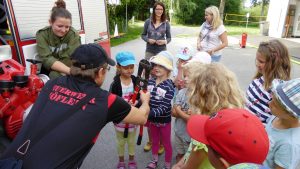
89, 56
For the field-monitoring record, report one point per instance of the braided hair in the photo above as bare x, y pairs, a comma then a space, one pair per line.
278, 64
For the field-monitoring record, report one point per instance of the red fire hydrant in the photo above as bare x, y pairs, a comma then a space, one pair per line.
244, 40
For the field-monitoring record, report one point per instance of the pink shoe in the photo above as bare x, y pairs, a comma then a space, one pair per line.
121, 165
132, 165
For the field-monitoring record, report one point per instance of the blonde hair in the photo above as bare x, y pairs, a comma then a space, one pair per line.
214, 11
213, 87
277, 64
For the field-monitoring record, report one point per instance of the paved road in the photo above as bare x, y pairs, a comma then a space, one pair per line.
240, 61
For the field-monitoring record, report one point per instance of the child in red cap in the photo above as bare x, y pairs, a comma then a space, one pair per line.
232, 136
212, 87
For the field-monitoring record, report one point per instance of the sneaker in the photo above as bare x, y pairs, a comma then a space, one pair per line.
152, 165
132, 165
148, 146
161, 149
121, 165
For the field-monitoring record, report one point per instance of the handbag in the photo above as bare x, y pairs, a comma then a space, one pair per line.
17, 161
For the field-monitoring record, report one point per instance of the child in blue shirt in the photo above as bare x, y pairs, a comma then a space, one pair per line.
284, 129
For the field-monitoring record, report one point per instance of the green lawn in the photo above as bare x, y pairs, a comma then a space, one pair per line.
238, 30
135, 30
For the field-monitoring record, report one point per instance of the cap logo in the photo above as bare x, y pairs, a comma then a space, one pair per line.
185, 50
214, 115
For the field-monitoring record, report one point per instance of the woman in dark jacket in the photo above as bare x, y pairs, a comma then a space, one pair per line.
156, 32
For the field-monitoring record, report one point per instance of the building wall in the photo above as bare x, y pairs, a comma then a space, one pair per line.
296, 26
276, 17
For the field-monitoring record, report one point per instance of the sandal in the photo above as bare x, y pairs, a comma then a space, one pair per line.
152, 164
121, 165
132, 165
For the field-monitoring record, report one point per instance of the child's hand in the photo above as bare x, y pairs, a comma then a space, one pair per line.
174, 113
133, 104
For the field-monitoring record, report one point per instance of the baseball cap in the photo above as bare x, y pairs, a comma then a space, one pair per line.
288, 94
185, 53
125, 58
202, 57
89, 56
164, 59
235, 134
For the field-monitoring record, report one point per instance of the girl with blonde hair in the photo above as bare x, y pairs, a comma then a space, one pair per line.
212, 87
213, 35
272, 62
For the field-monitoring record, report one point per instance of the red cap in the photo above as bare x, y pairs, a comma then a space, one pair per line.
237, 135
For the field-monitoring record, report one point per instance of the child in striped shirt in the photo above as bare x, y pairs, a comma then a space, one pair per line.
162, 90
272, 62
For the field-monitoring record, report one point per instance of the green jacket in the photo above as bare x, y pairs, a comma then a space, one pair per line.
51, 48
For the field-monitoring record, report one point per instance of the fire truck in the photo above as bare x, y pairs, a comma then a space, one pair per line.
20, 78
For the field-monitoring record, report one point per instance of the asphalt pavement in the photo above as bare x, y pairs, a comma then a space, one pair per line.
239, 60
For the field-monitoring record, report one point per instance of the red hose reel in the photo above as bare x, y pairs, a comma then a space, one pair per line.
17, 93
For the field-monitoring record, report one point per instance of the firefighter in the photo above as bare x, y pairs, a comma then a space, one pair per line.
55, 43
70, 137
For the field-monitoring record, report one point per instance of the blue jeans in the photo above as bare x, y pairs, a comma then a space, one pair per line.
215, 58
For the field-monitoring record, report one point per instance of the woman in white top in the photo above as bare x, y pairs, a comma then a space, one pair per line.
213, 36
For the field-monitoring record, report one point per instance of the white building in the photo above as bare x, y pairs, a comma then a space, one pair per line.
284, 18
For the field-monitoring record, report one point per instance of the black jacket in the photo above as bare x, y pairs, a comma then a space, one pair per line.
116, 87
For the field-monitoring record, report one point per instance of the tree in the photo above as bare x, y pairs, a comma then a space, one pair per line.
221, 8
263, 4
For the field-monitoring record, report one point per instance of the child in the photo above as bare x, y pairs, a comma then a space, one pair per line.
184, 54
148, 146
123, 85
162, 90
272, 61
181, 112
212, 87
284, 129
232, 136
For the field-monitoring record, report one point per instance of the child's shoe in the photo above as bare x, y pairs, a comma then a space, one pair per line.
121, 165
132, 165
152, 165
148, 146
161, 149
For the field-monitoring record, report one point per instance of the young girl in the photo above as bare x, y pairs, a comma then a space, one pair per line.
162, 90
55, 43
123, 85
272, 62
181, 112
212, 87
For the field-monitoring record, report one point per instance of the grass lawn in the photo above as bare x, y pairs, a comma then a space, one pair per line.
134, 32
238, 30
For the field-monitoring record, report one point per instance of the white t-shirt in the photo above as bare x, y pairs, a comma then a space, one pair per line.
212, 39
